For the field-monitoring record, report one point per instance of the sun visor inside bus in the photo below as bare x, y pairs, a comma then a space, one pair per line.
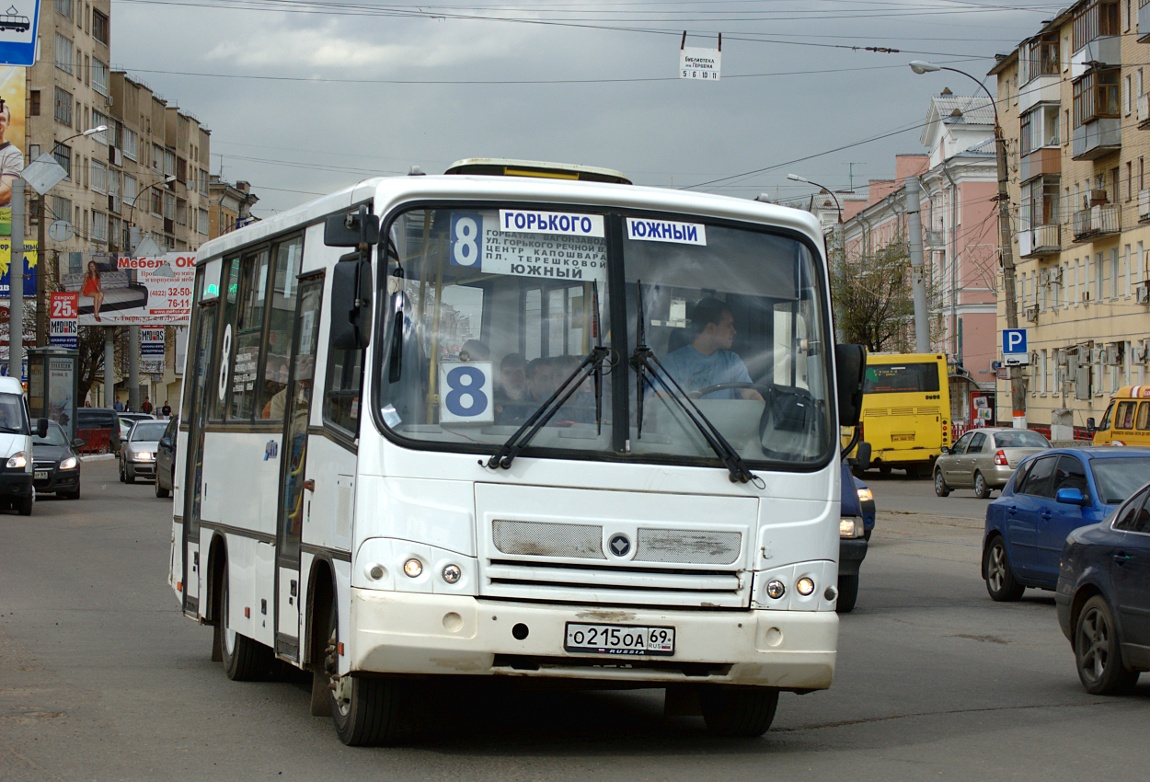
351, 229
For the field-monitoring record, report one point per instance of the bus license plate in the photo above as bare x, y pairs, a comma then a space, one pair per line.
619, 639
41, 475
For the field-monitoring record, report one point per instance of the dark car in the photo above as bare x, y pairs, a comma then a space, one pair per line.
1103, 597
166, 458
1051, 494
99, 428
56, 463
855, 525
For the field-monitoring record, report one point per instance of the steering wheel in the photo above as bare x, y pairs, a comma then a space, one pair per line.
764, 390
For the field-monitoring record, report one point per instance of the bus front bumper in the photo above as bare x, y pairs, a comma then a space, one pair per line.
406, 633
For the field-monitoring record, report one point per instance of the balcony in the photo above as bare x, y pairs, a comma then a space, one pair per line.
1143, 23
1040, 241
1097, 139
1144, 206
1142, 110
1096, 221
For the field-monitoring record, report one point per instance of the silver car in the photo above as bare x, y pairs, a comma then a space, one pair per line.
984, 460
138, 454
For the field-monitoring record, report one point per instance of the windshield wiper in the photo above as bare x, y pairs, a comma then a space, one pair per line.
592, 364
643, 361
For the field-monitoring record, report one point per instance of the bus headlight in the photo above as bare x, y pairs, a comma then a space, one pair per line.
413, 568
775, 588
805, 585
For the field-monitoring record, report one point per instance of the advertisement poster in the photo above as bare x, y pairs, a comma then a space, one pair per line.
124, 291
61, 405
63, 309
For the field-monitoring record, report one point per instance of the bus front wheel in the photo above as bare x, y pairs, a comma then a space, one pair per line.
366, 711
738, 712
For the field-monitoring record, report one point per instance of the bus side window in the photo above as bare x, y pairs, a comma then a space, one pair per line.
344, 387
1142, 421
1124, 418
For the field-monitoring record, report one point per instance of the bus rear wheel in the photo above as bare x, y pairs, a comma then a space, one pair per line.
738, 712
366, 711
244, 659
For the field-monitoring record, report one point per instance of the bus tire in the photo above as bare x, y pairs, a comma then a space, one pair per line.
244, 659
366, 711
738, 712
848, 594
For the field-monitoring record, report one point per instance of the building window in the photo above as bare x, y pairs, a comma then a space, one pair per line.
128, 139
1096, 95
100, 27
100, 77
34, 103
63, 111
64, 8
1098, 19
64, 51
203, 224
1038, 57
130, 188
99, 226
1040, 200
99, 177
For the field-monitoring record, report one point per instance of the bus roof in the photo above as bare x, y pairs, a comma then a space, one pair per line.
489, 166
385, 192
1132, 392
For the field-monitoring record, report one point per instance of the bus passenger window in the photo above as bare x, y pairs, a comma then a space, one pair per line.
1142, 421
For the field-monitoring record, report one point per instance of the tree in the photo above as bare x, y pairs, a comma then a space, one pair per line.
91, 364
873, 298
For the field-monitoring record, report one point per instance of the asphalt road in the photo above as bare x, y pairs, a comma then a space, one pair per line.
101, 678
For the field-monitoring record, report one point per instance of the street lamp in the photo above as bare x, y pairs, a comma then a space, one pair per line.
41, 282
797, 178
1017, 392
132, 210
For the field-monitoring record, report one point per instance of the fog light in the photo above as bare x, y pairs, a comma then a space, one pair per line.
376, 572
805, 585
413, 568
452, 573
776, 589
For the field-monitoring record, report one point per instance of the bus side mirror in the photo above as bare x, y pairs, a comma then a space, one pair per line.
353, 229
351, 303
1091, 427
850, 370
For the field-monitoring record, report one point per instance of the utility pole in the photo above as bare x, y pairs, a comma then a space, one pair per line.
917, 266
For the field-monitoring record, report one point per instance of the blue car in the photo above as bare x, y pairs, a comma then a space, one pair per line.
857, 522
1051, 494
1103, 598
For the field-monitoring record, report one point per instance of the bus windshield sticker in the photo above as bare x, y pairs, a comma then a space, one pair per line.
466, 393
643, 230
476, 243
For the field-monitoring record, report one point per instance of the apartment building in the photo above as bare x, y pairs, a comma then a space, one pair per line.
1077, 125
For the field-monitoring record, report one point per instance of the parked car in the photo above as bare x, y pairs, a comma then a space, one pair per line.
138, 456
99, 428
133, 417
984, 460
166, 458
1103, 595
56, 463
855, 526
1053, 493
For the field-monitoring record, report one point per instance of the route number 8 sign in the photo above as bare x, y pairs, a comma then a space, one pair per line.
465, 393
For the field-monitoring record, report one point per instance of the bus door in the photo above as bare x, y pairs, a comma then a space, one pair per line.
198, 401
294, 502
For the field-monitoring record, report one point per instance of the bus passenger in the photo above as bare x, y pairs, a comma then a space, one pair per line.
708, 360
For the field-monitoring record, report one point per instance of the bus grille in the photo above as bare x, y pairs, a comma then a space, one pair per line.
567, 562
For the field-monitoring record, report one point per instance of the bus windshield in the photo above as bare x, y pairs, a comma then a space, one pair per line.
491, 312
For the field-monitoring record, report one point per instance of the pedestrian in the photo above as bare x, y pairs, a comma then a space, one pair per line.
118, 406
147, 406
166, 410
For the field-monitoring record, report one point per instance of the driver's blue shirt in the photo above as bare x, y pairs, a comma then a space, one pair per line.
694, 371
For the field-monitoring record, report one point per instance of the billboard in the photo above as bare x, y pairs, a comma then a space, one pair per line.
126, 291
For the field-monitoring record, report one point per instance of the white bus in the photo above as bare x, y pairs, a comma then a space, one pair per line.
430, 428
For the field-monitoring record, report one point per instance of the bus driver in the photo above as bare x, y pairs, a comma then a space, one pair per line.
708, 360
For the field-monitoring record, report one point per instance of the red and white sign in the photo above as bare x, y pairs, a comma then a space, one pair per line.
64, 311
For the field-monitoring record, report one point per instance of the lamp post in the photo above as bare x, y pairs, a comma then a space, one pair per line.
134, 331
41, 282
838, 206
1017, 392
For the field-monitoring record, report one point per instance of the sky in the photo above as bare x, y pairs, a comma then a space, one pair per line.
304, 97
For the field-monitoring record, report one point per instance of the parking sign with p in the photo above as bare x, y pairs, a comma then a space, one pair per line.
1014, 350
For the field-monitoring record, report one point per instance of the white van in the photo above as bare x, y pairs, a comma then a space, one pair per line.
16, 447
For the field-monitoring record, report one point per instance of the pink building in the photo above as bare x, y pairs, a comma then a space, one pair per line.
959, 212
